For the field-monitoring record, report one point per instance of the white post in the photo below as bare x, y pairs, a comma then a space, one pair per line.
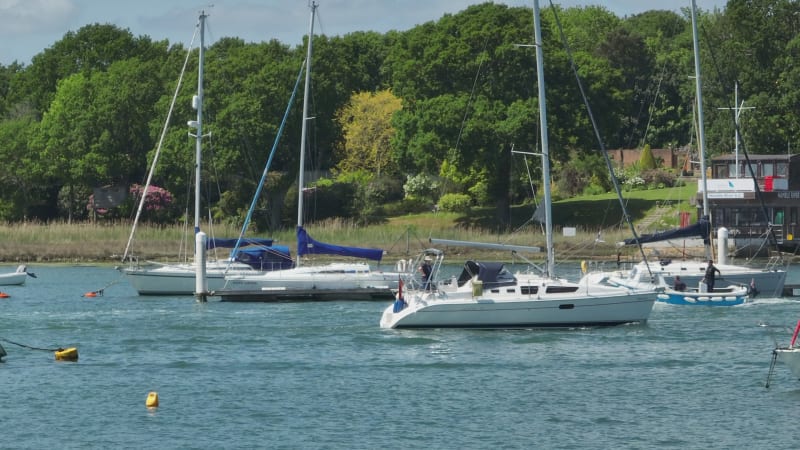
722, 245
200, 281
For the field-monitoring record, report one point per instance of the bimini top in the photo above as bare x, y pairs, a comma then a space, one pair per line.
308, 246
493, 274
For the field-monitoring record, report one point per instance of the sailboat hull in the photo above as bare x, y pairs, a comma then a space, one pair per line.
790, 357
179, 279
583, 305
341, 276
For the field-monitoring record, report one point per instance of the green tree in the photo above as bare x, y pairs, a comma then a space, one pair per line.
646, 159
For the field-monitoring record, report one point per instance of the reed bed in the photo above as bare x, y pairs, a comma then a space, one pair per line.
404, 237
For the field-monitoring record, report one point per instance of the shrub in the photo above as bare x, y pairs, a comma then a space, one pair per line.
658, 177
420, 186
459, 203
634, 183
594, 189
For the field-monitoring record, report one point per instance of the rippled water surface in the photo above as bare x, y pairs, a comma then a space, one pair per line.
324, 375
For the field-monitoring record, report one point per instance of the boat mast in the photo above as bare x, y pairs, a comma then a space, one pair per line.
700, 127
301, 178
197, 103
548, 227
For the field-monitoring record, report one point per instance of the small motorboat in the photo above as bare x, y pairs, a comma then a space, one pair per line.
16, 278
726, 296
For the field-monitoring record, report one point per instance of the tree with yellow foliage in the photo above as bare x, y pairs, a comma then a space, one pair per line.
366, 123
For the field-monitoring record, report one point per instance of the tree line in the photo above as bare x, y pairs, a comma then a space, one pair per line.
401, 120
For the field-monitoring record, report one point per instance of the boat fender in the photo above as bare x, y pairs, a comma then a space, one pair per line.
477, 287
67, 354
400, 266
584, 266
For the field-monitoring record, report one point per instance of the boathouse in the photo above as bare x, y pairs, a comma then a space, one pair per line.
735, 198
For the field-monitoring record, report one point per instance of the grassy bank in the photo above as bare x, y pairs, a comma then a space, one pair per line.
596, 218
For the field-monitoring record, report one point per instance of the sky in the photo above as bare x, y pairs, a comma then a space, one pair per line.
27, 27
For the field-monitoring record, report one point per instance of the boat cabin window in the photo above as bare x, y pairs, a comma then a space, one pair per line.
529, 290
560, 289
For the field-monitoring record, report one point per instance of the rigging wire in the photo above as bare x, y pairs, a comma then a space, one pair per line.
597, 133
770, 229
160, 144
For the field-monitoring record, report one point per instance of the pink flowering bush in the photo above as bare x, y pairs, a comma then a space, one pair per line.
157, 198
158, 205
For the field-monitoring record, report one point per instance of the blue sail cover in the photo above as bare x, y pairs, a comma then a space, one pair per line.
258, 253
276, 257
308, 246
701, 229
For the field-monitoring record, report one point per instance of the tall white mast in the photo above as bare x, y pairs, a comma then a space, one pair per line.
699, 94
201, 283
301, 178
548, 227
197, 103
700, 126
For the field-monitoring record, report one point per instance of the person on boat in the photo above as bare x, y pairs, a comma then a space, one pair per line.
426, 270
710, 270
678, 285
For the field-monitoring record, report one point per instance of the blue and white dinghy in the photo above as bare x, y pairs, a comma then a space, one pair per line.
727, 296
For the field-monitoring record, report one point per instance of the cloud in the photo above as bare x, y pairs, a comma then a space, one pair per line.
28, 17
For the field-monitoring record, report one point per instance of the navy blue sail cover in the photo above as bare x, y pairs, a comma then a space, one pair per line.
258, 253
276, 257
701, 229
308, 246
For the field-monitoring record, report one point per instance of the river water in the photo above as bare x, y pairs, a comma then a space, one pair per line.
324, 375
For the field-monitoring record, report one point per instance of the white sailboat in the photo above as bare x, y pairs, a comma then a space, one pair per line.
154, 278
486, 295
766, 281
347, 277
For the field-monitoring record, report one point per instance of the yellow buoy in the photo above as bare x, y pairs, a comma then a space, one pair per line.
152, 400
67, 354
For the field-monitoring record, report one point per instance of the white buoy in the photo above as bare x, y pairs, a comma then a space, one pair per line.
722, 245
200, 281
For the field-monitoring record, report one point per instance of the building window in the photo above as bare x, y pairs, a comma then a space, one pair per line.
732, 170
782, 170
767, 170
